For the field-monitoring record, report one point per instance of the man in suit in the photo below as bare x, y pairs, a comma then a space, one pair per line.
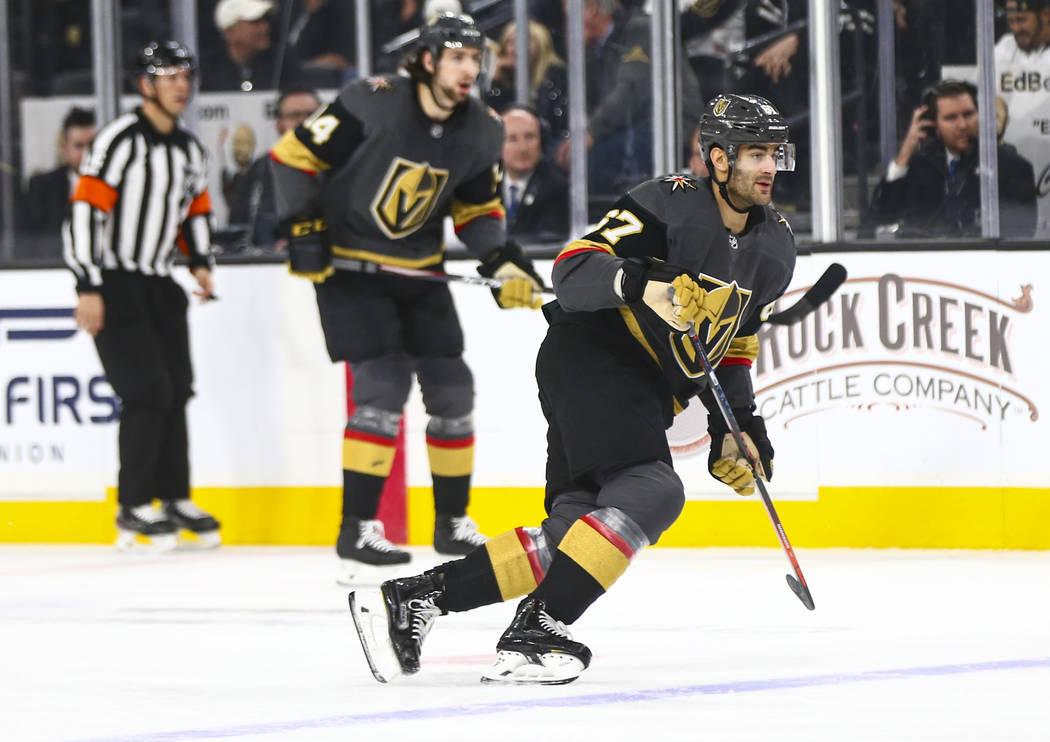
932, 188
48, 193
47, 196
535, 191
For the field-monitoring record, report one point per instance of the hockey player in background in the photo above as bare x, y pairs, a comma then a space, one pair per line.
616, 365
366, 182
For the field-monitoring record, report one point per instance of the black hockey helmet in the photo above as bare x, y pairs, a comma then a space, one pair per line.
744, 119
448, 31
164, 58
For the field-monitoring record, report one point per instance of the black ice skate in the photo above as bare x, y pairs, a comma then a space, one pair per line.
393, 622
457, 535
365, 550
537, 649
155, 528
187, 516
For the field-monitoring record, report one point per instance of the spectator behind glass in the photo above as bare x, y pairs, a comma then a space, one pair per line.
47, 196
253, 204
321, 40
245, 61
932, 188
243, 149
1029, 37
535, 192
619, 97
548, 78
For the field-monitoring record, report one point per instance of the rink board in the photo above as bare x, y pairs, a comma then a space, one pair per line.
905, 412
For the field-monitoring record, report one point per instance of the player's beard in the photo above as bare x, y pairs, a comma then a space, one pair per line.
448, 96
743, 191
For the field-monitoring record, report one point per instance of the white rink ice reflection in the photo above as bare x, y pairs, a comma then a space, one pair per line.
709, 644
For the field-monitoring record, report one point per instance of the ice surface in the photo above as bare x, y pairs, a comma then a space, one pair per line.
257, 644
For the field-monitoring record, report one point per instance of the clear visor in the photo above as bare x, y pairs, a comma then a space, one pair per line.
747, 157
170, 70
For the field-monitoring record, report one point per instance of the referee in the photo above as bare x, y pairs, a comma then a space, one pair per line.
143, 191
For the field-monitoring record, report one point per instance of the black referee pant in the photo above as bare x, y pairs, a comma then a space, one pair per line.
145, 351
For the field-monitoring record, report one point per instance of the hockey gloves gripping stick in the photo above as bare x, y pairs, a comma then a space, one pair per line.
309, 254
521, 285
796, 582
669, 291
727, 464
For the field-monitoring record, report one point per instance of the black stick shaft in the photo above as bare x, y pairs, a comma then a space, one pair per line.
800, 588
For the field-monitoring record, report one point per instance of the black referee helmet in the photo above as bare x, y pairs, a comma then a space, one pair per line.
159, 58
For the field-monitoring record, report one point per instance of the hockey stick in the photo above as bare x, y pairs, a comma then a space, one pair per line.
818, 293
427, 275
798, 582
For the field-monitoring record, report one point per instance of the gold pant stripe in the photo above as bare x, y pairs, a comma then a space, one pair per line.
375, 257
510, 563
451, 462
366, 457
596, 554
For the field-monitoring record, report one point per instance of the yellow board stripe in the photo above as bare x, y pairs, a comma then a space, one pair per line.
451, 462
592, 551
375, 257
859, 517
463, 212
293, 153
511, 565
367, 457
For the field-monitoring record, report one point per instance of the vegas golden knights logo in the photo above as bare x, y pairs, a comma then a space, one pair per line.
714, 329
720, 106
408, 195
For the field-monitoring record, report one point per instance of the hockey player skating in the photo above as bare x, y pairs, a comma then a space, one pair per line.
142, 190
366, 182
674, 253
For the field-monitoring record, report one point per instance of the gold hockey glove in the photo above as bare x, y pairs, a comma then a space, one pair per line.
309, 254
728, 465
522, 286
671, 292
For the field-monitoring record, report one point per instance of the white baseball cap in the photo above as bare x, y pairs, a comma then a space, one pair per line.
228, 12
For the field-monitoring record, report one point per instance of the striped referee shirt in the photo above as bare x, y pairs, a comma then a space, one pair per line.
140, 195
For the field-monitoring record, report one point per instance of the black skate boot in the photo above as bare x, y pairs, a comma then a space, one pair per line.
185, 515
147, 521
365, 541
456, 535
537, 649
393, 623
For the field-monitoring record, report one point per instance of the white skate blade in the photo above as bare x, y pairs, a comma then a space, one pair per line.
134, 542
190, 541
370, 619
515, 668
357, 574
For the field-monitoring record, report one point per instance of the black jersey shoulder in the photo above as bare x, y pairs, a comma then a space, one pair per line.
378, 100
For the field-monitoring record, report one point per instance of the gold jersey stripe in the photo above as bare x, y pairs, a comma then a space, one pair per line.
366, 457
581, 244
510, 563
463, 212
375, 257
596, 554
451, 462
744, 347
293, 153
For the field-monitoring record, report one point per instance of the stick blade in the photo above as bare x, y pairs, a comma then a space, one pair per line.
799, 589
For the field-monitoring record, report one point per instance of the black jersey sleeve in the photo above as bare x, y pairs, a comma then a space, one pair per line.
585, 271
477, 211
324, 141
